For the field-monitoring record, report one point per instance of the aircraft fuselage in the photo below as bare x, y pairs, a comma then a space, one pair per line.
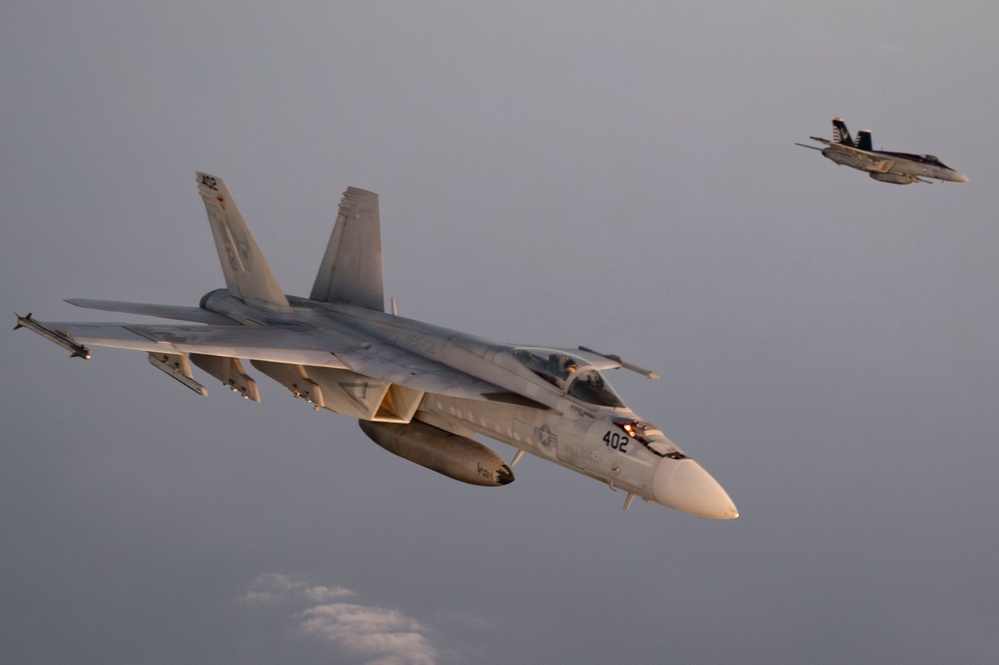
419, 391
907, 167
608, 443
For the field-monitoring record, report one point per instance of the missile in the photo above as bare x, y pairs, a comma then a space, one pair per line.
54, 336
449, 454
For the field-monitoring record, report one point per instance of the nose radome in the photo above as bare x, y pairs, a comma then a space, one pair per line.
683, 485
960, 177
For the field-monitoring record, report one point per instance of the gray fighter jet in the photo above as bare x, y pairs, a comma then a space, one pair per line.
419, 391
899, 168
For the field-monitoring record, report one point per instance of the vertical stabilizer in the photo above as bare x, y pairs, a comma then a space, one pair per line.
351, 271
247, 275
864, 141
840, 133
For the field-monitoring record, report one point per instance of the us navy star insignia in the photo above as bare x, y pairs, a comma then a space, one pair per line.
546, 437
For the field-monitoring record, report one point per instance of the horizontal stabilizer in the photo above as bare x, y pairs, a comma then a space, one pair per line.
193, 314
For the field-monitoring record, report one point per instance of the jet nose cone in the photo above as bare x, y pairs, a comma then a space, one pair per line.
683, 485
960, 177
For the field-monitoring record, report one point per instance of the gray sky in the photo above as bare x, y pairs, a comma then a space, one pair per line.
551, 173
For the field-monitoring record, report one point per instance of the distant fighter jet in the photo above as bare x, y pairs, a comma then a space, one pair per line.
900, 168
420, 391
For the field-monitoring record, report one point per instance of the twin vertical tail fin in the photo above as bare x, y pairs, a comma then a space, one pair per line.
351, 271
864, 140
841, 134
247, 275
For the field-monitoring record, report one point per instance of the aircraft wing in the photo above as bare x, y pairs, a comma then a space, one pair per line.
877, 164
827, 143
280, 344
291, 344
834, 146
194, 314
843, 148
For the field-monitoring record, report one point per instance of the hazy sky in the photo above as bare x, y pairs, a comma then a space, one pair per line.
622, 176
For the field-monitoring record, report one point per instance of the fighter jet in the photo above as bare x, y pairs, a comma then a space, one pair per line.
420, 391
899, 168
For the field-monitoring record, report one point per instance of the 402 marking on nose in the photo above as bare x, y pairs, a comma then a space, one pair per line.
618, 442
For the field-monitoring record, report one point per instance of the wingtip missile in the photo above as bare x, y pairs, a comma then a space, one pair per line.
55, 336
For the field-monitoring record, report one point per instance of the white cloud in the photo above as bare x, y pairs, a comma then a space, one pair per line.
377, 635
323, 594
386, 637
271, 587
278, 587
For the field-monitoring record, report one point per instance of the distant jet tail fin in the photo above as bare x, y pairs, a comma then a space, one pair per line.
864, 140
351, 271
247, 274
841, 134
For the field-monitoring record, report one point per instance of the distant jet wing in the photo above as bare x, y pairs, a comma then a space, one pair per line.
827, 143
297, 345
877, 164
833, 146
841, 148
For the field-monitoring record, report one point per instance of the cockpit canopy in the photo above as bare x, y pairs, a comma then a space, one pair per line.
573, 374
925, 159
651, 437
933, 159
